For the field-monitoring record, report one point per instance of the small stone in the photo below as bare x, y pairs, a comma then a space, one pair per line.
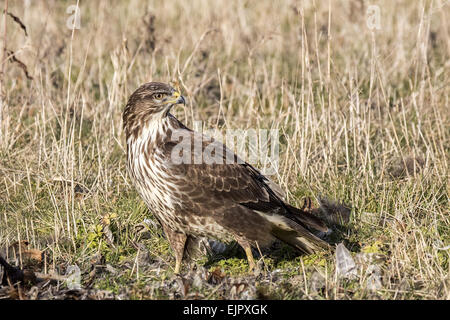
110, 269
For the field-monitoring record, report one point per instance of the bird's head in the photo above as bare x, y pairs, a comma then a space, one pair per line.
152, 100
155, 98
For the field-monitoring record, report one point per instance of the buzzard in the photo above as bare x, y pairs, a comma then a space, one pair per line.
226, 200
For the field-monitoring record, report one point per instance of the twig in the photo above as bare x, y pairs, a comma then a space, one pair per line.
22, 65
2, 56
17, 20
3, 52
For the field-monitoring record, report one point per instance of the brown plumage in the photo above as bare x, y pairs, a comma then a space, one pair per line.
200, 195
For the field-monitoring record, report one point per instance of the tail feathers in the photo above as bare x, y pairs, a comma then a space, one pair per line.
295, 235
301, 243
307, 219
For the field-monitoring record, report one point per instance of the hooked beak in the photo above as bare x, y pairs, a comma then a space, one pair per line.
181, 100
177, 98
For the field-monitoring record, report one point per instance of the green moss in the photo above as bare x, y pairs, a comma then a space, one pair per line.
232, 266
375, 247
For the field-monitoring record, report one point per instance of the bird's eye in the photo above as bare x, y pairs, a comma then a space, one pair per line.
158, 96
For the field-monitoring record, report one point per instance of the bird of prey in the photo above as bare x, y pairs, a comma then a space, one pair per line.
193, 197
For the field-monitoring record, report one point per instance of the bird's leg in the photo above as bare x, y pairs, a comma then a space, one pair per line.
177, 265
251, 260
248, 251
177, 241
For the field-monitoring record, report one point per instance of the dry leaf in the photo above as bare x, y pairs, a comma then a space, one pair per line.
216, 276
29, 256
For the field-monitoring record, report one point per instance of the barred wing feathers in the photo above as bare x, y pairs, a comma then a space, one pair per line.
239, 198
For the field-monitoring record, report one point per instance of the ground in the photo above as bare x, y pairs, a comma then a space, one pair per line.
360, 104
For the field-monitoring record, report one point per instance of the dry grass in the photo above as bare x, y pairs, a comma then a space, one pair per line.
363, 118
